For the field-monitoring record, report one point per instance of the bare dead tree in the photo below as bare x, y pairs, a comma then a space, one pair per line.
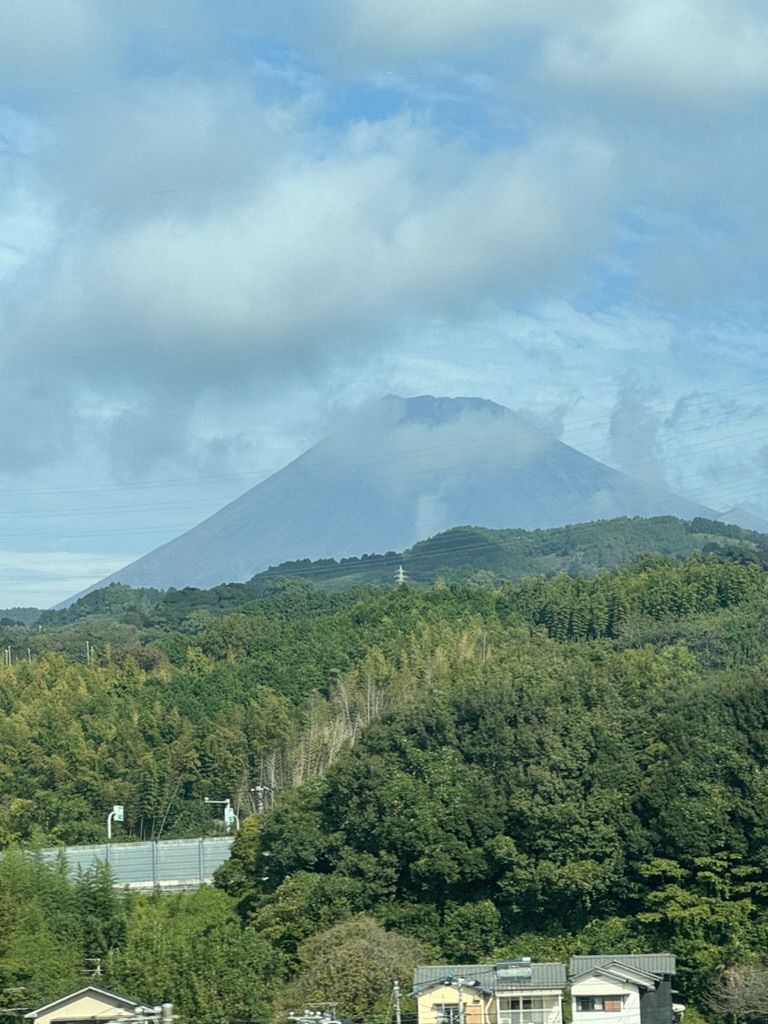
741, 993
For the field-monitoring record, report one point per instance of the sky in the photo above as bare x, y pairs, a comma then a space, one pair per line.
225, 224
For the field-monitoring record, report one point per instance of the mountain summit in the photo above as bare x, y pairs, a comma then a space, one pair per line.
398, 472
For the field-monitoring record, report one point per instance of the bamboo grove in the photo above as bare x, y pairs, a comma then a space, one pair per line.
557, 765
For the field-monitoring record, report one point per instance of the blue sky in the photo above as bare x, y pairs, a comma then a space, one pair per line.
225, 225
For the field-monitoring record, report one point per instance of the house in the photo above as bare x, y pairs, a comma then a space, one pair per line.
510, 992
97, 1004
635, 989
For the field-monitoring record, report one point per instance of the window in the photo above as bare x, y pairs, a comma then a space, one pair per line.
522, 1003
446, 1013
607, 1004
525, 1009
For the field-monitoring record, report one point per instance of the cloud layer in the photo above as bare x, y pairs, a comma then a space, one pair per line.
221, 225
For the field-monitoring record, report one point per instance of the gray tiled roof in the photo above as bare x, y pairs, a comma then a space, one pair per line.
542, 976
651, 963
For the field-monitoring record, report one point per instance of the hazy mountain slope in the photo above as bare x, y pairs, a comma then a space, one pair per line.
402, 470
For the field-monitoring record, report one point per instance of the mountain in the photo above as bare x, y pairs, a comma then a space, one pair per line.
740, 516
402, 470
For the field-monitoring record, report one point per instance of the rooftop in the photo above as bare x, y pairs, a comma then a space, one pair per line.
517, 975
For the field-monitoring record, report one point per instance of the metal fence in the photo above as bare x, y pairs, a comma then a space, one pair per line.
167, 864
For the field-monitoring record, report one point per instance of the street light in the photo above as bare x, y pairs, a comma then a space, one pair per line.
115, 814
230, 818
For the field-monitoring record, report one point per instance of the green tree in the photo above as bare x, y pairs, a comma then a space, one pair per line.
353, 965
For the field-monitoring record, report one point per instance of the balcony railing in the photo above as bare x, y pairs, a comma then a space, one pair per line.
548, 1015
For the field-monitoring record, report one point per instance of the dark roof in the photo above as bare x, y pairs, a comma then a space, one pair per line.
659, 964
491, 976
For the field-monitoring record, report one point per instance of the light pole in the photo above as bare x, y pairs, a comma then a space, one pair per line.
230, 818
116, 814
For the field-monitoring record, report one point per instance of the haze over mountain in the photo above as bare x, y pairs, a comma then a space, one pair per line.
402, 470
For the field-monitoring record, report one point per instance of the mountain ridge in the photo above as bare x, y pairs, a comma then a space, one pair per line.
401, 470
475, 556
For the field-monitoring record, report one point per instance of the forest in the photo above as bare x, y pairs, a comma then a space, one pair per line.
455, 772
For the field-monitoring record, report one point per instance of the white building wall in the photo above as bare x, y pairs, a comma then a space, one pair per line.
551, 1011
597, 986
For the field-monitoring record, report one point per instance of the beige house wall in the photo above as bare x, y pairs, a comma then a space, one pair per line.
477, 1012
477, 1007
481, 1008
89, 1006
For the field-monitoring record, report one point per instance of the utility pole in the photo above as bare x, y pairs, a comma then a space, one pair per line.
459, 983
396, 999
401, 576
260, 791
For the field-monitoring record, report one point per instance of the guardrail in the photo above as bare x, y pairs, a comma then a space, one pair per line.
169, 864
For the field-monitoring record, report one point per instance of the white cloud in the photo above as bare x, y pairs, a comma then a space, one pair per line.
666, 50
323, 251
221, 224
53, 41
177, 143
26, 230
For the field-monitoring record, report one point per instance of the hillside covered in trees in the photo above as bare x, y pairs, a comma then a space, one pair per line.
556, 765
472, 554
